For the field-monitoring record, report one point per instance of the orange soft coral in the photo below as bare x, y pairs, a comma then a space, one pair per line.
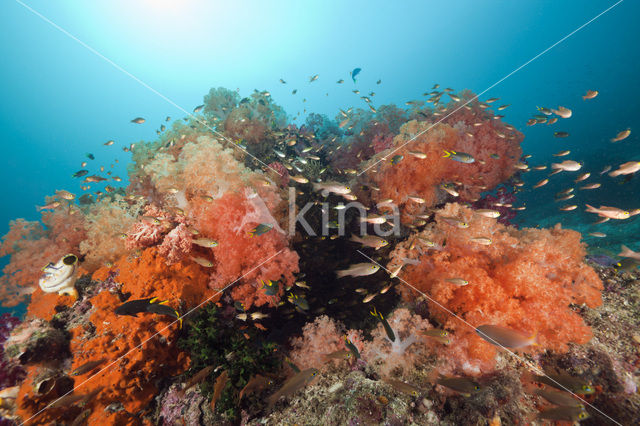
495, 149
526, 280
141, 357
32, 245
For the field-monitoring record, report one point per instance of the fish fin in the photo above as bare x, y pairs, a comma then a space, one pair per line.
447, 154
153, 300
534, 339
625, 251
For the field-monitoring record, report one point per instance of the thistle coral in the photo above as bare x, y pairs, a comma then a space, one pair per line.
525, 279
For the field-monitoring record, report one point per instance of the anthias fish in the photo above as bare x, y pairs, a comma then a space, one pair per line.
462, 385
295, 383
505, 337
87, 367
358, 270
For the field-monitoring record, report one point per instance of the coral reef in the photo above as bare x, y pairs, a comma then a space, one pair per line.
525, 279
10, 371
32, 245
106, 222
495, 148
203, 228
409, 349
320, 338
213, 339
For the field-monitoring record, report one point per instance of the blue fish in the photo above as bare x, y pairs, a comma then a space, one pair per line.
355, 72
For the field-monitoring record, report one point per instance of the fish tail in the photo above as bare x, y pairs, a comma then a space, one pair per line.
534, 339
555, 172
342, 273
625, 251
591, 209
447, 154
355, 238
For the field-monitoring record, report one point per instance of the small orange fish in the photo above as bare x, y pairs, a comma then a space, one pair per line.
505, 337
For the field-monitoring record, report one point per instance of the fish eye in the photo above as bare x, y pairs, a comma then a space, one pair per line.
582, 415
444, 333
414, 393
70, 259
476, 387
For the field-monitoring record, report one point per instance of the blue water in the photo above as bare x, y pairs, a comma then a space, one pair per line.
75, 76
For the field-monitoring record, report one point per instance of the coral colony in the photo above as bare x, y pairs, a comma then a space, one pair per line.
207, 291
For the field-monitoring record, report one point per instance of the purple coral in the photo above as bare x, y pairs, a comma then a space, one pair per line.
10, 372
177, 406
500, 202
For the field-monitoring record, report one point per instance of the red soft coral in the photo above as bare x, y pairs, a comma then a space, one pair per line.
525, 279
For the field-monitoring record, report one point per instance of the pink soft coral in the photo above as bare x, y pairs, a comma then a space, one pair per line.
525, 279
148, 230
319, 338
177, 244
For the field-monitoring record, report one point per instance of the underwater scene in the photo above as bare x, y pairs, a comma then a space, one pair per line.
290, 213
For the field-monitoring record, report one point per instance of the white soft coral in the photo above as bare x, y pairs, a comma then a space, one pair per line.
407, 348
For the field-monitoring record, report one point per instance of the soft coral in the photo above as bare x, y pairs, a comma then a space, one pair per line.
526, 279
